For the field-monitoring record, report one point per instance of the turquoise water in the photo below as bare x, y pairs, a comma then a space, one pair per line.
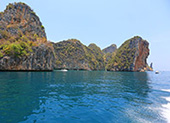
84, 96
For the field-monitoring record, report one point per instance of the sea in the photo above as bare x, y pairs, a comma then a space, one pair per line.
84, 97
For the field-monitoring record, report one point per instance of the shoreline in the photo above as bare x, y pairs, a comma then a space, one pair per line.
26, 70
67, 69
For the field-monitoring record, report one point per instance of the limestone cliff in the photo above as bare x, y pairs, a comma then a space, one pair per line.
23, 43
19, 19
112, 48
41, 58
109, 52
72, 54
97, 52
24, 46
130, 56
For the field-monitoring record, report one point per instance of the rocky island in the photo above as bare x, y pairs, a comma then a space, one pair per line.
23, 42
24, 46
72, 54
130, 56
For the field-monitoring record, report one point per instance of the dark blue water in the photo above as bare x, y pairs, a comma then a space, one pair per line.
84, 96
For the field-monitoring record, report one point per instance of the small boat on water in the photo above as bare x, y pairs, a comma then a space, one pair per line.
156, 72
64, 70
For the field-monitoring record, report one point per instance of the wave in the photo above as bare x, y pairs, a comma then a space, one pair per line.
167, 90
166, 107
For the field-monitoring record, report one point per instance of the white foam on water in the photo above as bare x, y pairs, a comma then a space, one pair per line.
167, 90
166, 107
135, 117
166, 110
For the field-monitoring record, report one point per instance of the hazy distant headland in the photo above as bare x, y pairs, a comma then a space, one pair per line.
24, 46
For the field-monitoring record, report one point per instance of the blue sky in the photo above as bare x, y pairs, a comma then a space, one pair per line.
107, 22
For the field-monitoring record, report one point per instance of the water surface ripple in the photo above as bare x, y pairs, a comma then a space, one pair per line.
84, 96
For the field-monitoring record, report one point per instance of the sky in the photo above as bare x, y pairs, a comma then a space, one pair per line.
106, 22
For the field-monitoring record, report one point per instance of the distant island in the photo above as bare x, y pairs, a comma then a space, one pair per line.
24, 47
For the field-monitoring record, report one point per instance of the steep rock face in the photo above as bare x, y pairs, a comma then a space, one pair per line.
112, 48
19, 18
42, 58
150, 68
109, 52
23, 43
97, 52
72, 54
141, 55
131, 56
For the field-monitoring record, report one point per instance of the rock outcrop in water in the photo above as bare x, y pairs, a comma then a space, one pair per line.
23, 43
20, 19
151, 66
130, 56
72, 54
23, 46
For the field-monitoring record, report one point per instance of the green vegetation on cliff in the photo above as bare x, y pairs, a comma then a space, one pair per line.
23, 43
23, 46
126, 55
19, 18
109, 52
108, 56
72, 54
16, 49
18, 45
123, 57
16, 34
97, 52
